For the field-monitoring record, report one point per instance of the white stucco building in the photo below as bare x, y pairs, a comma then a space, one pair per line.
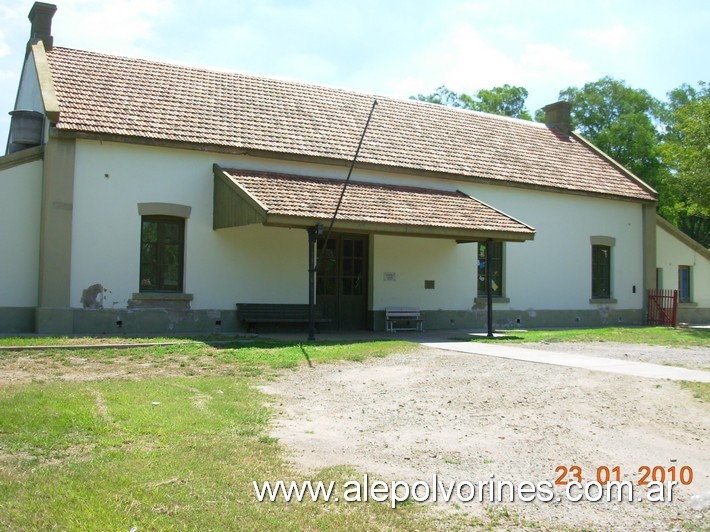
155, 197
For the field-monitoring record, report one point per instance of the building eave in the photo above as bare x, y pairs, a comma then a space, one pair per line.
36, 153
46, 84
680, 235
328, 161
625, 171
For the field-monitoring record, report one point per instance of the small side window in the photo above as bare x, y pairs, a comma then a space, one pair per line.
684, 284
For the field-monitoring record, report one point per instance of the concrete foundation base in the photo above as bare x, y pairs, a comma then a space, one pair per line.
63, 321
130, 321
17, 320
693, 315
515, 319
54, 321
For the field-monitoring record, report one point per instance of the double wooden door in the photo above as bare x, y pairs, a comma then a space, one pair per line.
342, 281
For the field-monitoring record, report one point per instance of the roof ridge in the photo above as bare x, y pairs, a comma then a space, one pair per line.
483, 114
215, 70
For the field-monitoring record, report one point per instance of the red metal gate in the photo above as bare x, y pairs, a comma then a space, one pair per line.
662, 307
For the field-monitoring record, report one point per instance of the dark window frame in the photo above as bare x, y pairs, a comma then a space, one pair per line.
497, 267
601, 272
153, 277
684, 288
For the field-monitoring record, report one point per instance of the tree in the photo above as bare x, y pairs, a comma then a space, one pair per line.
666, 145
506, 100
442, 96
621, 121
687, 142
686, 152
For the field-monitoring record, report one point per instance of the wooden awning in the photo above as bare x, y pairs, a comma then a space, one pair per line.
243, 197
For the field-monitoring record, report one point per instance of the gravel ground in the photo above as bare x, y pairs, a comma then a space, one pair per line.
467, 417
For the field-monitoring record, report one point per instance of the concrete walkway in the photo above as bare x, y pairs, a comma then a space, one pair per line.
609, 365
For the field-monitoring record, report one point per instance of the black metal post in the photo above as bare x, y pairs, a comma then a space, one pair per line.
311, 285
313, 234
489, 288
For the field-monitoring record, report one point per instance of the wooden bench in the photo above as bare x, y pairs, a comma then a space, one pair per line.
253, 313
410, 316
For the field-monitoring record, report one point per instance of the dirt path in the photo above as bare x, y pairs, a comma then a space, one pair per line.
467, 417
686, 357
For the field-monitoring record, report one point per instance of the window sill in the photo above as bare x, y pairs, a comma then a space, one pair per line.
687, 304
603, 301
484, 300
160, 300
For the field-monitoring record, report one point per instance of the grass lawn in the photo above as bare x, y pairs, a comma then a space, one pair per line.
172, 437
682, 337
163, 438
700, 390
82, 340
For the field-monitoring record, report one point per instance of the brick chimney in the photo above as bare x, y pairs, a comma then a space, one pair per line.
41, 19
557, 115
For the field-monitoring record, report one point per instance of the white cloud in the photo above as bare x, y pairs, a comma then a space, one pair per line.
118, 26
4, 47
466, 62
613, 38
545, 61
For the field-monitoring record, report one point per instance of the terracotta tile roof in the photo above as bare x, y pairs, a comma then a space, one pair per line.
310, 197
120, 96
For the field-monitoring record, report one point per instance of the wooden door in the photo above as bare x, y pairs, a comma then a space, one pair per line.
342, 281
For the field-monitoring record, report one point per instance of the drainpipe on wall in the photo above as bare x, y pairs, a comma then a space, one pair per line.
648, 217
313, 234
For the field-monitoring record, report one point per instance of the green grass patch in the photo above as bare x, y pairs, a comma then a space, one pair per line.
84, 340
681, 337
166, 451
700, 390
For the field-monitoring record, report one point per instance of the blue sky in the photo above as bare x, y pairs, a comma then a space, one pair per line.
393, 48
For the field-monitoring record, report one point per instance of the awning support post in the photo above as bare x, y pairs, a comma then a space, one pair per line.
313, 234
489, 287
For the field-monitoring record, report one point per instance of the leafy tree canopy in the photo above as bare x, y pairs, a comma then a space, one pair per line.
506, 100
686, 152
621, 121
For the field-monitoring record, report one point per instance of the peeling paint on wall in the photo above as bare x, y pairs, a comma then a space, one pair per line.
93, 297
